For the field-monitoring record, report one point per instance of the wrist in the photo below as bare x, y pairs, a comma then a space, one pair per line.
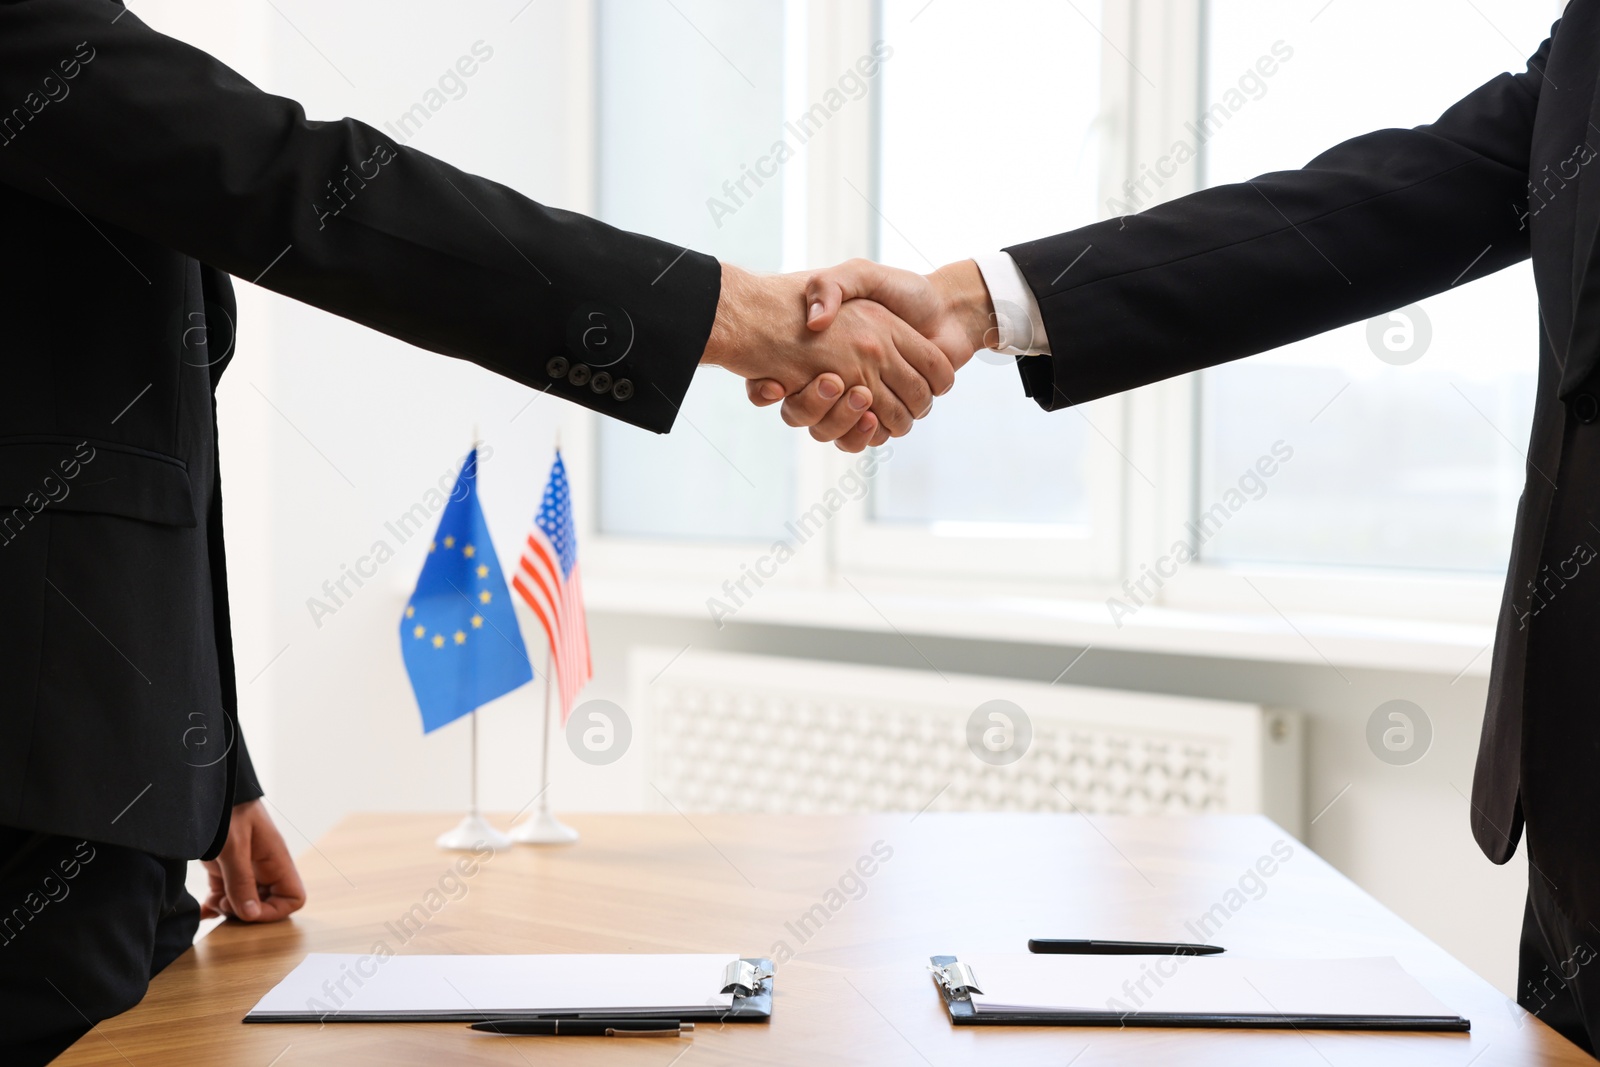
966, 298
745, 326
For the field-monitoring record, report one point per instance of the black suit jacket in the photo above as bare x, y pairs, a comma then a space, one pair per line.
136, 175
1373, 224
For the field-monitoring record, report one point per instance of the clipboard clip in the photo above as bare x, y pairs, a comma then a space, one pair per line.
957, 978
742, 978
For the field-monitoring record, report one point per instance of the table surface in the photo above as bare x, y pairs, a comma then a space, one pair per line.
856, 988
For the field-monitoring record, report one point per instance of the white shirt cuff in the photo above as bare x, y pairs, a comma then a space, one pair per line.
1018, 322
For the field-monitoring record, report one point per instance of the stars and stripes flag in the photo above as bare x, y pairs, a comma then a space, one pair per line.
547, 579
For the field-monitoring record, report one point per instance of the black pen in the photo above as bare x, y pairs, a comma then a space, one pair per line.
625, 1027
1065, 947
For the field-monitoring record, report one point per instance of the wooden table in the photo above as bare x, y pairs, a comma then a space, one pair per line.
856, 990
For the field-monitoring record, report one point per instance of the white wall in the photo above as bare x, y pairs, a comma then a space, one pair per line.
328, 430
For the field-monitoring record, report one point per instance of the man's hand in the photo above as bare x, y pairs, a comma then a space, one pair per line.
951, 307
254, 877
868, 359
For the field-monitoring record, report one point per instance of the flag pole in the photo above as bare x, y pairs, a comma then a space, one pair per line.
473, 830
472, 812
544, 746
544, 828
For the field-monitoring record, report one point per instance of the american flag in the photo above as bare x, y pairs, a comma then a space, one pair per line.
547, 579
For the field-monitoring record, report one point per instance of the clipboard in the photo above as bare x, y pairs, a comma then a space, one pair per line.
956, 982
749, 980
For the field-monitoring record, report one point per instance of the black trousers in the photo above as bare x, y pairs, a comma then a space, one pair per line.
1558, 974
84, 926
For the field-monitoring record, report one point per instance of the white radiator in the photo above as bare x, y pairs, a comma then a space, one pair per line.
736, 733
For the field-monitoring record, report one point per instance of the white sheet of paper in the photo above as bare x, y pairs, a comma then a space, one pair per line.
1208, 985
347, 986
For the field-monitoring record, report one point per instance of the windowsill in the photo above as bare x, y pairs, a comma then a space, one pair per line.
1453, 649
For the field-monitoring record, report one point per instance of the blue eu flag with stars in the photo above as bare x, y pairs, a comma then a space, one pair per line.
459, 636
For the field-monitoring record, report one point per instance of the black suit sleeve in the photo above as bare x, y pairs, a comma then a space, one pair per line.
1373, 224
144, 134
246, 786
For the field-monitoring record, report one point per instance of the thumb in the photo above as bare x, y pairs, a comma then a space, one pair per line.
827, 290
824, 297
764, 391
239, 878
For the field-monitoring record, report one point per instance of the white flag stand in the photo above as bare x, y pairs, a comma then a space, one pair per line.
543, 828
473, 829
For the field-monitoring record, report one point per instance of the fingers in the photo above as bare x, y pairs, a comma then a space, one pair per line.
240, 898
848, 422
866, 339
912, 394
763, 391
860, 436
811, 404
887, 404
844, 415
926, 359
211, 907
254, 878
275, 869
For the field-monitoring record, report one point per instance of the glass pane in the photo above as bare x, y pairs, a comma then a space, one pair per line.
988, 456
1407, 433
718, 476
974, 156
690, 92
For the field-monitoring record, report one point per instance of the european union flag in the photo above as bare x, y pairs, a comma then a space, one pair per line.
459, 637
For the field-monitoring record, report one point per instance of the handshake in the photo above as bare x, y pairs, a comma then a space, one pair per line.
856, 352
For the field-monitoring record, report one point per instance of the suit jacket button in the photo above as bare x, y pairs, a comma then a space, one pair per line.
601, 382
557, 367
623, 390
579, 374
1586, 408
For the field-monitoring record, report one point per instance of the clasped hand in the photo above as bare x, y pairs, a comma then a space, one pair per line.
856, 353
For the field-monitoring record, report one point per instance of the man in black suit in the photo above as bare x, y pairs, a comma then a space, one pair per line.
136, 175
1375, 223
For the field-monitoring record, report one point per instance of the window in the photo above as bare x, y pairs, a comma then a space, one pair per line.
690, 93
1407, 433
907, 142
974, 154
987, 124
